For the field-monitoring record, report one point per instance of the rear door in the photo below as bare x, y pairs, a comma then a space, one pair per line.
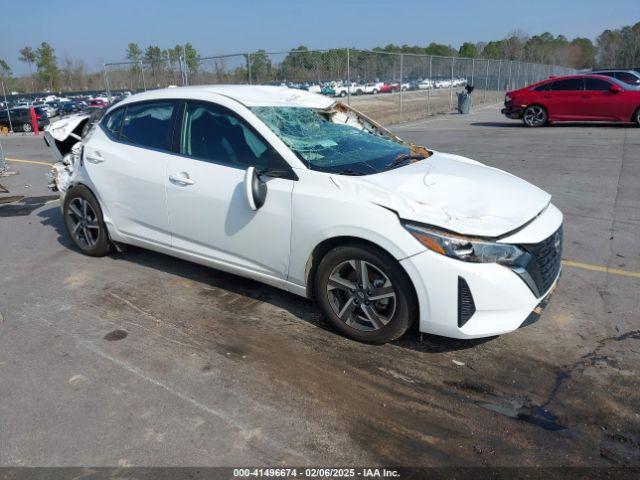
126, 159
565, 99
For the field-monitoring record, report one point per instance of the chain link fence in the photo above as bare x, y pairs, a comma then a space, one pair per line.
390, 87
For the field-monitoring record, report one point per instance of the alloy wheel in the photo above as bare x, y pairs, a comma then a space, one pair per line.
535, 116
85, 228
361, 295
27, 127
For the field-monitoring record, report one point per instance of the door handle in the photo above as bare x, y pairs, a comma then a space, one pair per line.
182, 179
95, 157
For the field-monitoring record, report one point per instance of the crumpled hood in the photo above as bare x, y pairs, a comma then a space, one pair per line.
454, 193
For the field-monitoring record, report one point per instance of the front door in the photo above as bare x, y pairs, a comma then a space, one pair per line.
209, 215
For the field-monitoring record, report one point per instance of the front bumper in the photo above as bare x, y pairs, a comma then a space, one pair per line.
500, 300
512, 111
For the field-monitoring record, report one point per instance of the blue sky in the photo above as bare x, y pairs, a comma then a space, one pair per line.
98, 32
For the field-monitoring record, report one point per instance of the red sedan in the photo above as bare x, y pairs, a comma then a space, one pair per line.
574, 98
389, 87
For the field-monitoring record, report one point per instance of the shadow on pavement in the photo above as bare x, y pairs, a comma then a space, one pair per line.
297, 306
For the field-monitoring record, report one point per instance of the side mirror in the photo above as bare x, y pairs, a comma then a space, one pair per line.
615, 89
254, 189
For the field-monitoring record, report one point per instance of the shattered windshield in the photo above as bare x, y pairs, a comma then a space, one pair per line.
323, 144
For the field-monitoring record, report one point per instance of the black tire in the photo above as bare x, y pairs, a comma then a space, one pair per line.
636, 117
535, 116
89, 234
27, 127
343, 93
375, 91
400, 311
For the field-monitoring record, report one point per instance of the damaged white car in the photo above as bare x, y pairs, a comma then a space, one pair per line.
295, 190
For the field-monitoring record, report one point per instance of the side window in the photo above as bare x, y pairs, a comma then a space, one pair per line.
214, 133
542, 88
113, 122
148, 125
627, 77
596, 84
567, 84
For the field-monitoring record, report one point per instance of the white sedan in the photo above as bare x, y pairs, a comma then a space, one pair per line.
298, 191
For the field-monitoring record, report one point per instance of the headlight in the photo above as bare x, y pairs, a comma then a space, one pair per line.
507, 98
466, 249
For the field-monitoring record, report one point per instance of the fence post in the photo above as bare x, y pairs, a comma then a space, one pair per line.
499, 87
453, 61
348, 77
401, 76
486, 83
106, 81
249, 68
429, 85
144, 84
6, 104
473, 70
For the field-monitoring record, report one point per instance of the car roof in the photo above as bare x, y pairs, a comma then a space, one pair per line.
615, 70
248, 95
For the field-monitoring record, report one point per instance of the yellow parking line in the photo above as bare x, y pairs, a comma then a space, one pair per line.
600, 268
27, 161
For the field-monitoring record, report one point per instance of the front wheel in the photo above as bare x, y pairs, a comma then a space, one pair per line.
365, 294
534, 116
343, 93
26, 127
84, 223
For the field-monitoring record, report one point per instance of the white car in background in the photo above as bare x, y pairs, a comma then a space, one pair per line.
372, 88
298, 191
425, 84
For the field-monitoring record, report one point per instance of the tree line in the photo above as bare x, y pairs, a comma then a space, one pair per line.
612, 48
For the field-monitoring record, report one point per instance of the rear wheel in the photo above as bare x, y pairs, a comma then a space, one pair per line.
534, 116
84, 223
636, 117
26, 127
365, 294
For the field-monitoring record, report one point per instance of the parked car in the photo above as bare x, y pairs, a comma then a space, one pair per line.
471, 255
372, 88
98, 102
21, 119
576, 98
426, 84
389, 87
68, 108
51, 112
627, 76
329, 90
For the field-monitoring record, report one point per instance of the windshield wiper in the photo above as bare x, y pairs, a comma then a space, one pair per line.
350, 172
403, 157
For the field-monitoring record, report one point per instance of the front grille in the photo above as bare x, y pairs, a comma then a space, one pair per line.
466, 306
544, 265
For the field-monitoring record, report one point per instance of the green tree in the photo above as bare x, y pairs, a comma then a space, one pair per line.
439, 49
154, 58
585, 52
47, 67
28, 56
5, 71
468, 50
261, 67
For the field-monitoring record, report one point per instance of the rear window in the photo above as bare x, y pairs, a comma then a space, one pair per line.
112, 123
149, 125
